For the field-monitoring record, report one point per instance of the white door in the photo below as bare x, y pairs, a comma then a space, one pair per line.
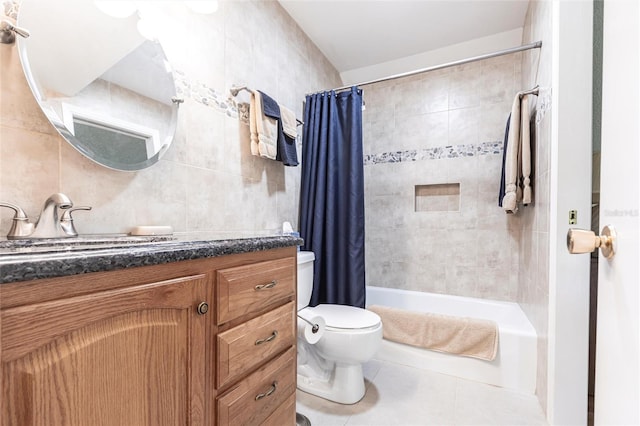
617, 395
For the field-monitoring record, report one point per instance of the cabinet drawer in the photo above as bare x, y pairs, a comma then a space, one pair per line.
254, 399
249, 288
247, 345
284, 414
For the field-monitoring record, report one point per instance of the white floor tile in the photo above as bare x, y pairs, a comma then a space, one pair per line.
405, 396
482, 404
401, 395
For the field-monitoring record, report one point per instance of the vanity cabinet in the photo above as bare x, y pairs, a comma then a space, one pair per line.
150, 346
252, 335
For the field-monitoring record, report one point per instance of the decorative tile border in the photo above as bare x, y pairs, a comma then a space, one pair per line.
544, 103
208, 96
11, 9
449, 151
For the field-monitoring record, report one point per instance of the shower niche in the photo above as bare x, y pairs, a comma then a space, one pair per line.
440, 197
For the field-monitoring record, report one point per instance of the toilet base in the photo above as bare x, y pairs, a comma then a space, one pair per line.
344, 385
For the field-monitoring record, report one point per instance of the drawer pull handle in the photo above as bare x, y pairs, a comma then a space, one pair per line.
267, 339
271, 390
272, 284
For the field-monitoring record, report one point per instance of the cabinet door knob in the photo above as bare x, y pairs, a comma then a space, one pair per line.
203, 308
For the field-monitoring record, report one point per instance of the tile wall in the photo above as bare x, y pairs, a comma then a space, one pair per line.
441, 127
208, 182
533, 288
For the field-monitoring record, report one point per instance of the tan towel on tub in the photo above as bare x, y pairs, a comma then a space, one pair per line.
471, 337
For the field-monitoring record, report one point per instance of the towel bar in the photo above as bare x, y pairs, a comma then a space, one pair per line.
533, 91
237, 89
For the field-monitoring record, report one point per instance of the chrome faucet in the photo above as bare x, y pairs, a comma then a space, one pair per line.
48, 224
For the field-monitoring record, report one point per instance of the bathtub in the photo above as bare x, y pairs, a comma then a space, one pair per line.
515, 365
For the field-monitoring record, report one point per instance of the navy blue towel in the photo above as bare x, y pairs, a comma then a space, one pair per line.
504, 156
286, 151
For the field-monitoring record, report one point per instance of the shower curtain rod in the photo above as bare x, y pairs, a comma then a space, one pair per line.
535, 45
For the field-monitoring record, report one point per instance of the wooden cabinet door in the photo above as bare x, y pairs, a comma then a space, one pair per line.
131, 356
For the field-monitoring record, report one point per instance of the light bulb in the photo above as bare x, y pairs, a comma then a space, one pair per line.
202, 6
116, 8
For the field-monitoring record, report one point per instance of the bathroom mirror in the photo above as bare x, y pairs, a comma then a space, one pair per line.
108, 90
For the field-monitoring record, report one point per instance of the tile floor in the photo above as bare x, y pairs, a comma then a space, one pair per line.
406, 396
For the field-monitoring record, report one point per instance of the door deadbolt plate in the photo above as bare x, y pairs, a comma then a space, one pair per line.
573, 217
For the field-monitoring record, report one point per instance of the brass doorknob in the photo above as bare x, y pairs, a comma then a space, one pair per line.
583, 241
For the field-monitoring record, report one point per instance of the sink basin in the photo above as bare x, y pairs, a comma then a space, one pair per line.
82, 242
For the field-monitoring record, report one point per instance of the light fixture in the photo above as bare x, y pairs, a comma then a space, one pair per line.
202, 6
116, 8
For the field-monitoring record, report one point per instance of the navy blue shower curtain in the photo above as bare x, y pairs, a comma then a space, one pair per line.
332, 196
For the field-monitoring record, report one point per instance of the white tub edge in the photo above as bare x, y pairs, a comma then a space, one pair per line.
514, 366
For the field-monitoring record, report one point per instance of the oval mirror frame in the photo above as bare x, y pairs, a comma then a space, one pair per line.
118, 107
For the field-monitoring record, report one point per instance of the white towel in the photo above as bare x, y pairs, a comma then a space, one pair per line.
517, 166
264, 130
289, 123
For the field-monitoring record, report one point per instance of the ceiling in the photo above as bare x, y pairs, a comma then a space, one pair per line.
359, 33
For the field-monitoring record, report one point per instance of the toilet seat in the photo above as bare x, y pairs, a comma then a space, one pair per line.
343, 318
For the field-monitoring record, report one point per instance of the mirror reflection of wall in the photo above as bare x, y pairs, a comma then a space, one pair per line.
100, 82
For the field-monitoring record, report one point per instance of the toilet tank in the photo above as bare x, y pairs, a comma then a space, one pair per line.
305, 277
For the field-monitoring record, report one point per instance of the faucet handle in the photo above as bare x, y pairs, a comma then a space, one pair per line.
21, 227
67, 213
66, 221
19, 213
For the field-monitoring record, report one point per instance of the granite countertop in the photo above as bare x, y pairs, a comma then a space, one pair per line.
24, 260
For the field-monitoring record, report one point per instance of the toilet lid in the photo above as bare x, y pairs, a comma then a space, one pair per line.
347, 317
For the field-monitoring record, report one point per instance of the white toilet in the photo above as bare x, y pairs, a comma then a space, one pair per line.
332, 367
